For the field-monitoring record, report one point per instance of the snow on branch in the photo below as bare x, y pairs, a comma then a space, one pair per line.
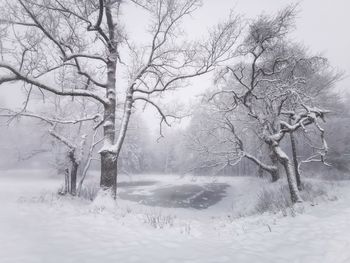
51, 121
64, 92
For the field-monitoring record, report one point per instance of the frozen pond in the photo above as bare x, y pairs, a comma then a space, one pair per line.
185, 196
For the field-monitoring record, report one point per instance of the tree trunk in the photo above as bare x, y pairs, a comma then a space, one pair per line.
260, 169
73, 172
66, 181
285, 161
275, 174
86, 168
111, 149
108, 181
73, 178
260, 172
295, 161
109, 172
108, 157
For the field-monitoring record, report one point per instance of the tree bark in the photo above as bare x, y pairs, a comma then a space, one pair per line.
295, 160
110, 154
109, 172
260, 172
73, 173
285, 161
108, 157
66, 181
87, 166
73, 178
275, 174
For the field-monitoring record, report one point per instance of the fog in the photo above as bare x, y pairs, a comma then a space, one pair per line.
174, 131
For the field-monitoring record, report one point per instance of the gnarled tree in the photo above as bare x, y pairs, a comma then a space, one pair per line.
275, 87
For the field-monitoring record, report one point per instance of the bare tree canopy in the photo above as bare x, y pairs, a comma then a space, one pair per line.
278, 87
78, 48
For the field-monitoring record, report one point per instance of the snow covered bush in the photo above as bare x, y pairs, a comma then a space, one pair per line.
103, 201
314, 191
274, 198
159, 221
89, 191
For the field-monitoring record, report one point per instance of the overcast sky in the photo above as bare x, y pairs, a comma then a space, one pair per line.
322, 26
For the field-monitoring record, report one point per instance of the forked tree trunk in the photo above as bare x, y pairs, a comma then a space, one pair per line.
288, 167
109, 157
111, 149
295, 161
108, 181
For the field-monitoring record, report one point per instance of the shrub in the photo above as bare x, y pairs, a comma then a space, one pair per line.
89, 191
276, 197
274, 200
157, 220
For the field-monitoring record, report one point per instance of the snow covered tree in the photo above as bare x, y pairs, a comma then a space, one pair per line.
214, 148
89, 38
275, 87
70, 127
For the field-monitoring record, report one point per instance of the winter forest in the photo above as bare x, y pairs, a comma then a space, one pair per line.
174, 131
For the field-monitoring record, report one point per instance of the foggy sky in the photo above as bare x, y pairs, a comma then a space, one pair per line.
322, 26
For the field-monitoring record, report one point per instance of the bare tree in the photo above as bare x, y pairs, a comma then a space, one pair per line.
74, 139
224, 139
89, 158
274, 85
87, 38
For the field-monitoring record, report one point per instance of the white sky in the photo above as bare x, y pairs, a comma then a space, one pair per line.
322, 25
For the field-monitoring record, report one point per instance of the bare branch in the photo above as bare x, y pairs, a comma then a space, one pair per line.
76, 92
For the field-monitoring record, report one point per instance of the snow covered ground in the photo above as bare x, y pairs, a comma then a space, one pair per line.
37, 226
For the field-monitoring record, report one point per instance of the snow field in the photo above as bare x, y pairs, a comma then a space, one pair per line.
36, 225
